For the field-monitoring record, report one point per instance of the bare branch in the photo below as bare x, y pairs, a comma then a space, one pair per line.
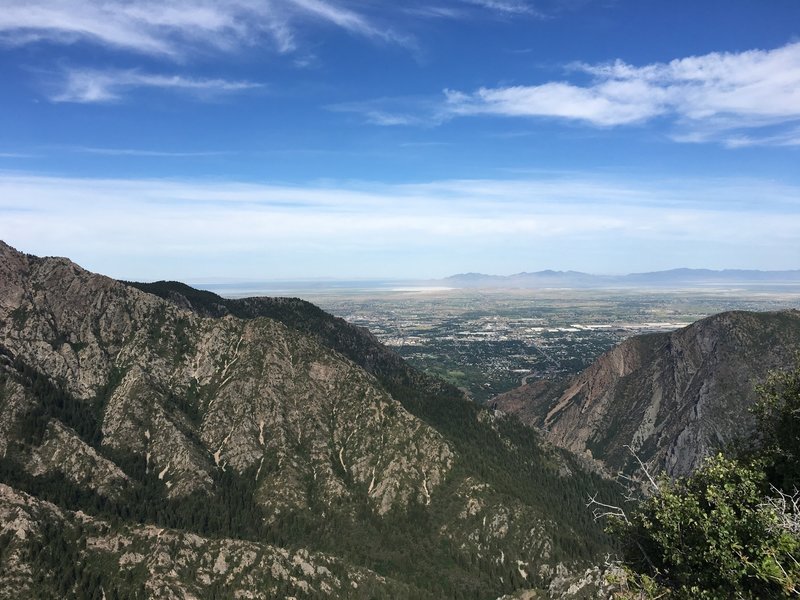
644, 469
786, 508
601, 510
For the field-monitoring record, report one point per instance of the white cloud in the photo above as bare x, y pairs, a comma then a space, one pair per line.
708, 96
142, 152
188, 223
379, 117
435, 12
175, 28
93, 86
394, 111
511, 7
760, 85
346, 19
150, 28
608, 104
742, 139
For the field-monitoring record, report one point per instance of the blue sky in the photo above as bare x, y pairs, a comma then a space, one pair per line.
258, 139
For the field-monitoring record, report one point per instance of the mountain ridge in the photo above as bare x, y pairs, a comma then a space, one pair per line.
670, 277
673, 398
138, 411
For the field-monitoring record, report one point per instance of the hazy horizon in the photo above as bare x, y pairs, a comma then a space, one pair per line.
224, 280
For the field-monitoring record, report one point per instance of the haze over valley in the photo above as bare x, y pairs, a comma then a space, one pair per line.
487, 340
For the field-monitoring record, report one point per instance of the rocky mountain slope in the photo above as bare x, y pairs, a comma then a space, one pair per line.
176, 444
145, 561
672, 397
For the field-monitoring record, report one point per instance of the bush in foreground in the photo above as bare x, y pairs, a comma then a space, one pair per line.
732, 528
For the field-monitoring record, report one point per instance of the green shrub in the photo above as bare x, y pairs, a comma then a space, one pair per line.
732, 528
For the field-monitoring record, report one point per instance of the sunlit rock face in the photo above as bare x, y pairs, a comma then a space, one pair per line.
192, 395
672, 398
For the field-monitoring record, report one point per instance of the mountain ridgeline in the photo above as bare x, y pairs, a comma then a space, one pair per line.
162, 442
673, 278
672, 398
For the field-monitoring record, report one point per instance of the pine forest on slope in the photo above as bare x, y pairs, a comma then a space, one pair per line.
173, 443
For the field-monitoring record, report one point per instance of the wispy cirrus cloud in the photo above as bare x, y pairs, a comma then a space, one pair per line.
435, 11
89, 86
789, 138
263, 230
349, 20
471, 9
401, 111
733, 138
182, 30
158, 28
144, 152
509, 7
176, 28
710, 98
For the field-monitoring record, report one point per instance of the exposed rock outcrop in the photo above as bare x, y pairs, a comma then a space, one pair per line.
674, 398
191, 394
165, 563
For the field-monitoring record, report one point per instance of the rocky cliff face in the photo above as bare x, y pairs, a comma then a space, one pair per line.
254, 392
673, 397
188, 440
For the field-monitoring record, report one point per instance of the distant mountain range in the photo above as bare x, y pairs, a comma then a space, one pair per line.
670, 278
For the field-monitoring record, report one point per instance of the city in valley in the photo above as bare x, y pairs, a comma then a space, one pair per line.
489, 341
